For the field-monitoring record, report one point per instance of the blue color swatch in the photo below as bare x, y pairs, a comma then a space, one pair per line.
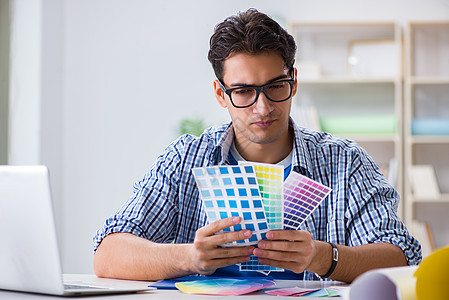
236, 194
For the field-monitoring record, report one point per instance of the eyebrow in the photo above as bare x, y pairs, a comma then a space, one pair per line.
268, 82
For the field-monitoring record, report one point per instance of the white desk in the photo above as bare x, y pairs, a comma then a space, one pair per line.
165, 294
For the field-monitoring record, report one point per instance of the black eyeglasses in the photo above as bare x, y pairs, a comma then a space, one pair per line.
246, 96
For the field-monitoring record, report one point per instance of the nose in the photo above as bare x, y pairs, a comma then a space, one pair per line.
263, 105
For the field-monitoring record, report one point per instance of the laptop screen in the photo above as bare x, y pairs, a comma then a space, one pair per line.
29, 255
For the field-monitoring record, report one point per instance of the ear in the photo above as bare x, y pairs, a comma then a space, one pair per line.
219, 94
295, 85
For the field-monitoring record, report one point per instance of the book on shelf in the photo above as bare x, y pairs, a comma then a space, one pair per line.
424, 183
306, 116
393, 171
422, 231
390, 171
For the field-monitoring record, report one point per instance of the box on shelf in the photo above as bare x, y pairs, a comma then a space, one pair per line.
371, 58
360, 124
430, 126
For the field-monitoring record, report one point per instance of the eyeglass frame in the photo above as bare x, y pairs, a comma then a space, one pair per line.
258, 89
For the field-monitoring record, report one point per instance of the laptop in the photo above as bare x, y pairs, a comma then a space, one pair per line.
29, 253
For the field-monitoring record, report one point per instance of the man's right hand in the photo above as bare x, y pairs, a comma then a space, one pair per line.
207, 256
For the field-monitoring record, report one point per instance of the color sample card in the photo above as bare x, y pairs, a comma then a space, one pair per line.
223, 286
293, 291
302, 196
254, 265
270, 179
231, 191
332, 291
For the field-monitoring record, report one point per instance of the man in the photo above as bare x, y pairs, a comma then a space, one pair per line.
162, 231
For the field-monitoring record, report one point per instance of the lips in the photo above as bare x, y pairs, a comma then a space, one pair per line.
264, 124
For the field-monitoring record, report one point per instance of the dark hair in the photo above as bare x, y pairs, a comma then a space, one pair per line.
249, 32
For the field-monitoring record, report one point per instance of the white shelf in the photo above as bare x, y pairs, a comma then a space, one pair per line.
382, 138
345, 41
325, 80
444, 198
426, 88
339, 75
429, 49
429, 80
430, 139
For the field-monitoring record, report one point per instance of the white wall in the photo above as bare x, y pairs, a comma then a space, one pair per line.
4, 78
116, 78
25, 82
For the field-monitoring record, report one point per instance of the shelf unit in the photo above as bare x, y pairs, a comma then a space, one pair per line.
426, 97
337, 75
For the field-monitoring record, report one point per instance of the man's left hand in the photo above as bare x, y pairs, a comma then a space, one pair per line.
293, 250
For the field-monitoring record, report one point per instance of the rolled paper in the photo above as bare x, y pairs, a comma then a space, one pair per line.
395, 283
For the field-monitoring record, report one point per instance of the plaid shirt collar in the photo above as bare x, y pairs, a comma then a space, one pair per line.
301, 161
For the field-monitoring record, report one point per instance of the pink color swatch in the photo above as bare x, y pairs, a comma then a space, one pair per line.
223, 286
302, 196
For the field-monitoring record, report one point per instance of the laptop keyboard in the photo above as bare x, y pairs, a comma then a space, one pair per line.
80, 287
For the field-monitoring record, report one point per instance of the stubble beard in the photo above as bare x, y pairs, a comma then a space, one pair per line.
252, 137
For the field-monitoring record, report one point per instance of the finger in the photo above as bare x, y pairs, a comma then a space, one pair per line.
294, 267
229, 252
289, 235
224, 262
277, 255
218, 225
228, 237
286, 246
277, 245
280, 245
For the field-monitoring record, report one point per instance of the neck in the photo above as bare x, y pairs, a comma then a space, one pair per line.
271, 153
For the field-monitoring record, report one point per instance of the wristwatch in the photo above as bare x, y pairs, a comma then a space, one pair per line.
334, 261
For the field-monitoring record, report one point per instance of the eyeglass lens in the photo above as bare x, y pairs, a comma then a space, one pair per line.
276, 91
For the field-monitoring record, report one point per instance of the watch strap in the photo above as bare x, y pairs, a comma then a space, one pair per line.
334, 261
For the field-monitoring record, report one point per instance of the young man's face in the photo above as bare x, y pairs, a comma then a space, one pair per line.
265, 121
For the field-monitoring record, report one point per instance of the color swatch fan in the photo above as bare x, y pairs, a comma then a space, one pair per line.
258, 194
232, 191
270, 179
302, 196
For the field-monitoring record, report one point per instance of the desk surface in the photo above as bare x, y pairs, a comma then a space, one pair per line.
165, 294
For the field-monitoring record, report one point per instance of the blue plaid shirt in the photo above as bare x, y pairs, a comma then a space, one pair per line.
361, 208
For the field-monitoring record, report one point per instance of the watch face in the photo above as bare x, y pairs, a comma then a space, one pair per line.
335, 252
